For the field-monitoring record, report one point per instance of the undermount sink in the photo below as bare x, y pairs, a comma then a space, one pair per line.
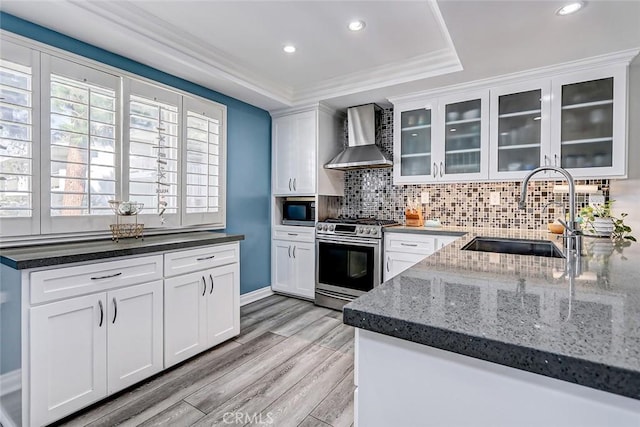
514, 246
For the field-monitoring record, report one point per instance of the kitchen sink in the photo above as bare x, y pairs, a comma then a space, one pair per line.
514, 246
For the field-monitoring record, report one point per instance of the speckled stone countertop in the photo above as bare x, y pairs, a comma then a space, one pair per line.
64, 253
526, 312
442, 231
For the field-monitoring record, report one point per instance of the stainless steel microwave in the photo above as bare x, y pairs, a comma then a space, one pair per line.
299, 212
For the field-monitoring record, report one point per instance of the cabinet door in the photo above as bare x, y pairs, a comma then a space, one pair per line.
134, 334
304, 140
304, 260
588, 132
68, 357
520, 116
185, 307
413, 157
281, 266
284, 155
397, 262
223, 303
465, 132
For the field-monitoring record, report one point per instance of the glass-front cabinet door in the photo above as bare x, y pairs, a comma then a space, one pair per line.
462, 152
413, 160
588, 132
519, 129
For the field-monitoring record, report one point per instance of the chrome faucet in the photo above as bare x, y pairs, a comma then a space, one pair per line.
572, 232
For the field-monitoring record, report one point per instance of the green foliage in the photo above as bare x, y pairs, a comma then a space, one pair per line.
621, 230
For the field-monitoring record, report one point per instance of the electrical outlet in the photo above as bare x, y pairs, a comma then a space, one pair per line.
596, 199
424, 198
494, 198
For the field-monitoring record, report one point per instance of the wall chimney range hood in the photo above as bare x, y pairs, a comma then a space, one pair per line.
362, 152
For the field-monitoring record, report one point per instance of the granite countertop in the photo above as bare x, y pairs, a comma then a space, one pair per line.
25, 257
526, 312
441, 231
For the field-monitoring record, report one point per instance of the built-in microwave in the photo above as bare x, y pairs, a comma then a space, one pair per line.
299, 212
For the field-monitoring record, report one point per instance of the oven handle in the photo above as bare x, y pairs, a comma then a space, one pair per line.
333, 296
346, 240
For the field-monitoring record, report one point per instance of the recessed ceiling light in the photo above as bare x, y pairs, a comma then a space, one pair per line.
570, 8
356, 25
289, 48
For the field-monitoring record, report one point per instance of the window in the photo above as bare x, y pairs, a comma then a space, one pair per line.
75, 134
18, 126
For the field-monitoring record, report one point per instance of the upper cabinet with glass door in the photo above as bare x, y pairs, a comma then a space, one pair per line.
519, 129
589, 122
413, 154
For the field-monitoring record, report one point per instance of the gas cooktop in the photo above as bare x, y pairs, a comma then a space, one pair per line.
361, 221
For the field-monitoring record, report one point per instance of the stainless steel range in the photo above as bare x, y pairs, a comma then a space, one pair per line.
348, 259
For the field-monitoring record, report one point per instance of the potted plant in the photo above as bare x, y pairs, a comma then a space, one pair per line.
598, 221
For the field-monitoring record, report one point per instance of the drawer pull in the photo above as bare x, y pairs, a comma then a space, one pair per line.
211, 291
106, 277
292, 234
409, 244
101, 313
115, 310
205, 257
204, 288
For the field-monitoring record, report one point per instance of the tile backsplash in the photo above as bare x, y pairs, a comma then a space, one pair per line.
371, 193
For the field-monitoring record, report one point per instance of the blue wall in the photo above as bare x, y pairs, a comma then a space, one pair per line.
248, 147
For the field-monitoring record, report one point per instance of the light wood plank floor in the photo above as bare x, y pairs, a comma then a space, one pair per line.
291, 365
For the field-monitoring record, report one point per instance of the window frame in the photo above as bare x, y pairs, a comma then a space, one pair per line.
39, 227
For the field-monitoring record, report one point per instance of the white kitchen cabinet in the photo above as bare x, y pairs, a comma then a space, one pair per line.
442, 139
84, 348
68, 356
588, 128
520, 118
293, 256
202, 308
294, 154
134, 334
303, 141
404, 250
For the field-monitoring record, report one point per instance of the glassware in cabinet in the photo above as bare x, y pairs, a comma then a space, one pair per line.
415, 142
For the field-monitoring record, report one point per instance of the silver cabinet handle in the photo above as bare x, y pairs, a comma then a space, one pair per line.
211, 291
387, 264
546, 160
115, 310
106, 277
289, 184
555, 160
292, 234
205, 257
204, 288
294, 251
435, 169
294, 184
409, 244
101, 313
441, 169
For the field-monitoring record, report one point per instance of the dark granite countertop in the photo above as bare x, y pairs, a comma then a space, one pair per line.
25, 257
525, 312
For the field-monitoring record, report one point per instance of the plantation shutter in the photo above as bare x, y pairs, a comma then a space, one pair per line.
205, 171
152, 162
82, 146
18, 134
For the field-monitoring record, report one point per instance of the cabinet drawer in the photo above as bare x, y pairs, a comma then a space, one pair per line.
410, 243
299, 234
68, 282
191, 260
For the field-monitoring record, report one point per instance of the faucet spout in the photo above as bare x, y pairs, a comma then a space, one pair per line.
574, 241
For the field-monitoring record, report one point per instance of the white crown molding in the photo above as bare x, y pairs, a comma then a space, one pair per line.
623, 57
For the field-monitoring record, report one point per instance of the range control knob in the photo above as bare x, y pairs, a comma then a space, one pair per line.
367, 231
359, 230
374, 231
331, 227
319, 227
325, 228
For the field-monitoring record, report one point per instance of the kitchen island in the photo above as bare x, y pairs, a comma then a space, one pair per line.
478, 338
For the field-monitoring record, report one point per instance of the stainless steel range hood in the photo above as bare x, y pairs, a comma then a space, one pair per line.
362, 152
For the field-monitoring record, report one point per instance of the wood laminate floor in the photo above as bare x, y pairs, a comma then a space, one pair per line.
291, 365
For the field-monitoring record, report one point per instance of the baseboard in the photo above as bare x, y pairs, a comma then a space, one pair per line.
256, 295
10, 382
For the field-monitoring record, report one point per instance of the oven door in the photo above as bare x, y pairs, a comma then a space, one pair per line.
348, 266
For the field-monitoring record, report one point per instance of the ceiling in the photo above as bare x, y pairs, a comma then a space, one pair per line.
235, 47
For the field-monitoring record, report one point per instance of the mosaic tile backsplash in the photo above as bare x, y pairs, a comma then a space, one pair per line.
371, 193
